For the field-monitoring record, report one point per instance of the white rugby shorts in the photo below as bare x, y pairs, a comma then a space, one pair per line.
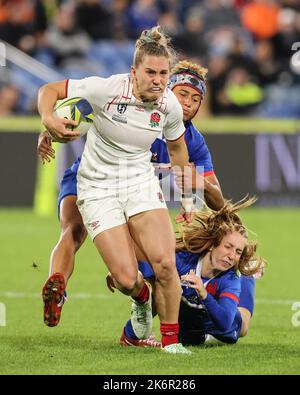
103, 209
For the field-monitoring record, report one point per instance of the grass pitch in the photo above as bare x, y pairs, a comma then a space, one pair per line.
86, 340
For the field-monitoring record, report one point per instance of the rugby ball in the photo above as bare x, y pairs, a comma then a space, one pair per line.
79, 110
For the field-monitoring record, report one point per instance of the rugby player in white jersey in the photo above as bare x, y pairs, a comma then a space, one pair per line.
119, 197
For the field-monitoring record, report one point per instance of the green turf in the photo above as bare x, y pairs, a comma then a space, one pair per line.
86, 341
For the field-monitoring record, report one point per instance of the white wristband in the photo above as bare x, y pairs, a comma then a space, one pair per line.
187, 203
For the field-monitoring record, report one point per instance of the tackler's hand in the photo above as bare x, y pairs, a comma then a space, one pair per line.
187, 210
44, 147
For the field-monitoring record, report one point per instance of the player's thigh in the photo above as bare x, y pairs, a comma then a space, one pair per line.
105, 221
140, 255
149, 222
153, 233
117, 250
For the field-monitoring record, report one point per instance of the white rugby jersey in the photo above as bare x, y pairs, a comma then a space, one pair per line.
117, 150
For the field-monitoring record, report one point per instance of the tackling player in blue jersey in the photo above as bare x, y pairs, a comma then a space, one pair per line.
188, 84
216, 302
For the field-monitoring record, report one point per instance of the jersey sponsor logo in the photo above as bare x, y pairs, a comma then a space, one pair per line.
119, 118
94, 225
194, 299
140, 108
154, 157
121, 108
154, 119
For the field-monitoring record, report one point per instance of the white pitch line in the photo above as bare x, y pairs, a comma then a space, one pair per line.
28, 295
276, 301
81, 295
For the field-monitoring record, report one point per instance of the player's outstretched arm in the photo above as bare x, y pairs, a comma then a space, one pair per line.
212, 193
180, 163
207, 187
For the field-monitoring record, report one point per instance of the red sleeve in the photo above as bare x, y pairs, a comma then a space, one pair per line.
67, 88
229, 295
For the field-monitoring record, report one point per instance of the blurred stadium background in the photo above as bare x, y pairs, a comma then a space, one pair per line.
250, 119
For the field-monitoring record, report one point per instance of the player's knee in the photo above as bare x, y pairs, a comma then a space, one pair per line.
126, 283
244, 332
245, 321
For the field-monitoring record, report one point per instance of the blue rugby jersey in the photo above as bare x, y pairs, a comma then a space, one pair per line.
197, 149
222, 299
68, 185
219, 313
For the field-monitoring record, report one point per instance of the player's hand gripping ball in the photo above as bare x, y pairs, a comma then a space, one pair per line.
77, 109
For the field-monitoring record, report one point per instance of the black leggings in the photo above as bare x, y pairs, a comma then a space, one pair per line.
189, 319
191, 331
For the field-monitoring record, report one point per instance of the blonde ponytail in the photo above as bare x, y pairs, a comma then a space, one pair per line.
153, 42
